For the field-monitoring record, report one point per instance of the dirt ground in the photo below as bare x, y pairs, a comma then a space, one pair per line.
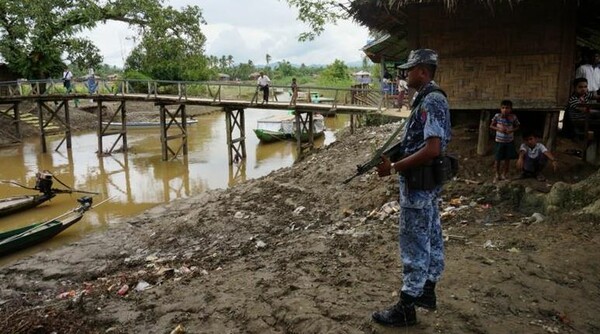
297, 251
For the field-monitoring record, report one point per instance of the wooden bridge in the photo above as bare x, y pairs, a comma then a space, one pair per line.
171, 98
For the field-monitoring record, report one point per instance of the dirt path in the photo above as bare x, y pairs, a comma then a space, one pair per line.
298, 252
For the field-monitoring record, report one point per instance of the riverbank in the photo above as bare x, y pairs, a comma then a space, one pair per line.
297, 251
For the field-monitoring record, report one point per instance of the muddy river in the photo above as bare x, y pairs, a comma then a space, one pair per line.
138, 180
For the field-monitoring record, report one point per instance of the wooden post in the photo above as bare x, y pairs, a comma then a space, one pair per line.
17, 121
236, 146
163, 132
41, 122
184, 128
100, 134
298, 119
553, 130
123, 124
484, 132
68, 125
228, 127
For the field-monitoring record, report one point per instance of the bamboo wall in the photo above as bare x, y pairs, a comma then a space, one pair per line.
524, 54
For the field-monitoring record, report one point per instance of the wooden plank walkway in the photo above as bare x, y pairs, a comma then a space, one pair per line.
233, 98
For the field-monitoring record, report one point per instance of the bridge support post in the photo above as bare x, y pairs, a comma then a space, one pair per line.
41, 123
235, 119
165, 125
484, 132
13, 113
304, 128
104, 127
48, 124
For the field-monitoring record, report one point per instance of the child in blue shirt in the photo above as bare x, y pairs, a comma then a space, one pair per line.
505, 123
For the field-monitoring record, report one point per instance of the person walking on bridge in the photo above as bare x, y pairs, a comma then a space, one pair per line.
425, 139
263, 84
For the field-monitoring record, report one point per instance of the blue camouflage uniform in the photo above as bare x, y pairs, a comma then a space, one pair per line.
421, 243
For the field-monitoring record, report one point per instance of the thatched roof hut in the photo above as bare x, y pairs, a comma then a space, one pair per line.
524, 50
492, 49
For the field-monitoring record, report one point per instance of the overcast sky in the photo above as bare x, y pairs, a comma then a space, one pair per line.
248, 30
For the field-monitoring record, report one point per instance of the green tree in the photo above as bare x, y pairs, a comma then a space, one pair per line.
317, 13
284, 69
336, 71
335, 74
268, 59
172, 47
36, 34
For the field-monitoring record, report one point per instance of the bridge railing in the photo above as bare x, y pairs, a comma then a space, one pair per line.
217, 91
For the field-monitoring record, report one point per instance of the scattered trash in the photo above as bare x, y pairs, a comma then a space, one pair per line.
165, 272
178, 330
514, 250
239, 215
489, 245
142, 285
67, 294
298, 210
536, 217
151, 258
123, 290
260, 244
551, 329
455, 202
386, 210
448, 237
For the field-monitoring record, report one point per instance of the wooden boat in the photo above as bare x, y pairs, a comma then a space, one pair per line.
283, 127
20, 238
15, 204
144, 125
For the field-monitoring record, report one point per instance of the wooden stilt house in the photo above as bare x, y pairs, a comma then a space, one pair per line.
490, 50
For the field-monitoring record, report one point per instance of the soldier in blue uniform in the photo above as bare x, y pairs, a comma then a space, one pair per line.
425, 139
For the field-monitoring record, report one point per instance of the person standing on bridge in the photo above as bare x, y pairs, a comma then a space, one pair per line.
263, 84
294, 88
425, 139
67, 77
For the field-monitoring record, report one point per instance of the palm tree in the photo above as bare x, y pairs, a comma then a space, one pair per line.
268, 58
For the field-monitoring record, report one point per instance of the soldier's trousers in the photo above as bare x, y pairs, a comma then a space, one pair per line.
421, 242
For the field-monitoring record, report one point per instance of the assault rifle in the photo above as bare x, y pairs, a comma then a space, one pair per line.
394, 153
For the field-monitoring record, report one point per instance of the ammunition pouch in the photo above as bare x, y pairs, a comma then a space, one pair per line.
432, 174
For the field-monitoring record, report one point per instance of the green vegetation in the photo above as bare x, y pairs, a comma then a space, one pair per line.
36, 34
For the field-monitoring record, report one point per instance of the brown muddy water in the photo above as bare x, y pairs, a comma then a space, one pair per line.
137, 180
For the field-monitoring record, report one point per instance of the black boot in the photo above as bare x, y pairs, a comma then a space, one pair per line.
427, 299
400, 315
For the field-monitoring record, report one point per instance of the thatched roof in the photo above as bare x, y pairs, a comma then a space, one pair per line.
388, 47
391, 15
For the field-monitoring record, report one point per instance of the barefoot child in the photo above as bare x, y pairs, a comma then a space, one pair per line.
505, 123
533, 157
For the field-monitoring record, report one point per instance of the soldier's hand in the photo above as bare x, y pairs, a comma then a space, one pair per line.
384, 167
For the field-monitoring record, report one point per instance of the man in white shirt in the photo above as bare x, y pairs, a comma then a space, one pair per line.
589, 69
263, 84
67, 76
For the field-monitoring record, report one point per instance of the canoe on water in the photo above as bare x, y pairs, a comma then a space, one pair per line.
23, 237
15, 204
283, 127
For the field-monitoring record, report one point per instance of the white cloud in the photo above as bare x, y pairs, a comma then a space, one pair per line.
248, 30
